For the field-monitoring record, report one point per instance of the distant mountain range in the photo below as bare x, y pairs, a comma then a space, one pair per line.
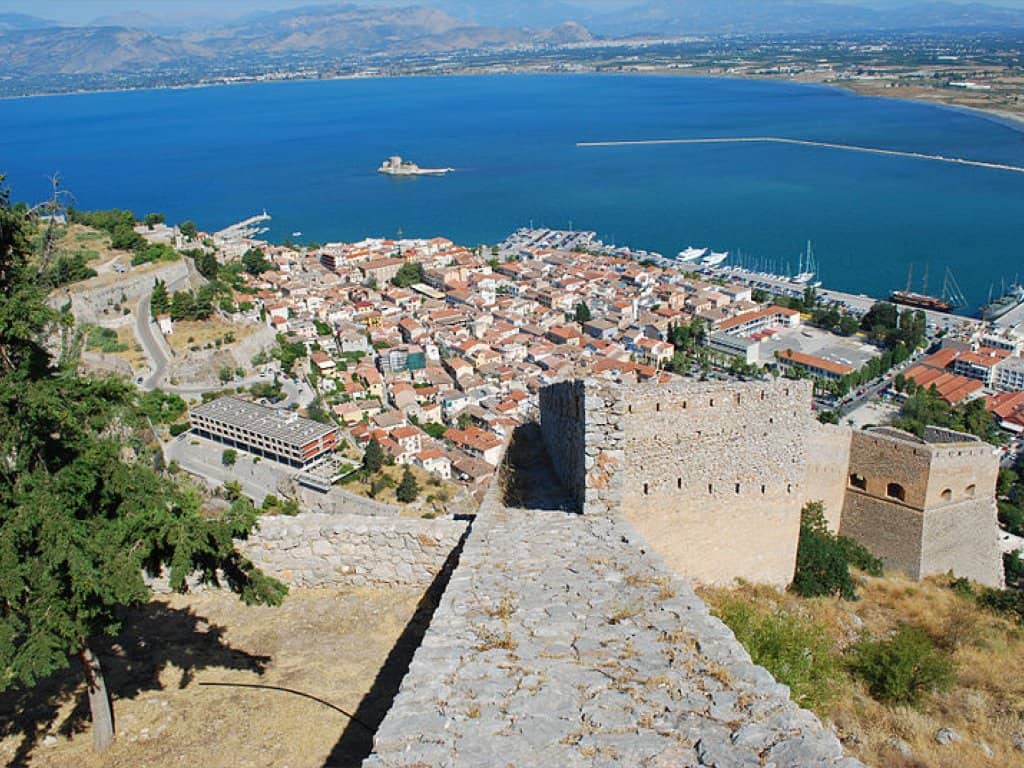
33, 48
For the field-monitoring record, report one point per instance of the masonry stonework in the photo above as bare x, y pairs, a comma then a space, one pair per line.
925, 506
562, 640
712, 474
828, 457
715, 474
318, 550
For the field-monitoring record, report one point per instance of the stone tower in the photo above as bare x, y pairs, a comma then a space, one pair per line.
925, 506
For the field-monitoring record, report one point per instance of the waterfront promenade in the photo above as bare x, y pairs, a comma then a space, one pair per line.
859, 303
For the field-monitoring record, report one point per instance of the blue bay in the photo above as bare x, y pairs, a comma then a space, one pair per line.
307, 152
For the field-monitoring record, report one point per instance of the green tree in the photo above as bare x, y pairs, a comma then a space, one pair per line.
161, 407
69, 268
373, 458
229, 457
188, 229
828, 417
202, 306
159, 301
182, 305
317, 412
152, 219
848, 325
80, 525
408, 489
823, 559
254, 261
410, 273
465, 421
207, 264
583, 314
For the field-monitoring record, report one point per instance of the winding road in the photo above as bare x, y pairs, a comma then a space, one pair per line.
160, 354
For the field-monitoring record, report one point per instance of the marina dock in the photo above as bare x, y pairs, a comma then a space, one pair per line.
243, 230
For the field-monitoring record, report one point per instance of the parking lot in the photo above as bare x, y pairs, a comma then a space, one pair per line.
850, 351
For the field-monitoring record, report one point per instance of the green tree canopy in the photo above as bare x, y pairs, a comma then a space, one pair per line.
159, 301
408, 489
582, 314
80, 525
373, 458
188, 229
255, 262
410, 273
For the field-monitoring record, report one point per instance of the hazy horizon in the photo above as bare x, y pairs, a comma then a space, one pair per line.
184, 11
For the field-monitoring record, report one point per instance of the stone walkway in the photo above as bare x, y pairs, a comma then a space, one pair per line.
561, 642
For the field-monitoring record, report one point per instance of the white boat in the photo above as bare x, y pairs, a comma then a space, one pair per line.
803, 278
296, 234
714, 259
808, 268
691, 253
396, 166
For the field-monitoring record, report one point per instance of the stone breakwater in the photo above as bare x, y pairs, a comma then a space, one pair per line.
318, 550
562, 641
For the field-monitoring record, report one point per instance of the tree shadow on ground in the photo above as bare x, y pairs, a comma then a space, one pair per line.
529, 477
356, 742
153, 637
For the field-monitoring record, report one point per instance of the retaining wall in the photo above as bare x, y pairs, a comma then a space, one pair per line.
336, 550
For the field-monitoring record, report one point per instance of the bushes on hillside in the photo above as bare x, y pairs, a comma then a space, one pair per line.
902, 668
795, 650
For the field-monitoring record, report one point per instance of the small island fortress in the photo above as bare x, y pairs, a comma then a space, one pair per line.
396, 166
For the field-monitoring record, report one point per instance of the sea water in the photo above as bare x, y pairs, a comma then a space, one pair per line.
307, 152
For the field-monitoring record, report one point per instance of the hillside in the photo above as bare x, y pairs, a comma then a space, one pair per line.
334, 32
330, 35
810, 644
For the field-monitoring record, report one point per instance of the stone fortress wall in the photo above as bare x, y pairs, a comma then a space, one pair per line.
563, 640
828, 457
91, 297
714, 475
345, 550
711, 474
925, 506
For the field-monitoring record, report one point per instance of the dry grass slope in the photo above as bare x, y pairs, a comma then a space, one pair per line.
328, 643
985, 704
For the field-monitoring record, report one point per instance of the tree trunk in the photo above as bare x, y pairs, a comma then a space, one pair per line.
99, 701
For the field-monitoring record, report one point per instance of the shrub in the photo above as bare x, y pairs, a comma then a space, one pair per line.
179, 429
795, 650
822, 567
823, 559
229, 457
903, 668
858, 556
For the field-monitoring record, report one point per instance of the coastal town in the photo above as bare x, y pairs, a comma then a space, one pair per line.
436, 351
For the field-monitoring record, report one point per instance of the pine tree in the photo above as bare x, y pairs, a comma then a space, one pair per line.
583, 314
408, 490
79, 526
159, 301
373, 459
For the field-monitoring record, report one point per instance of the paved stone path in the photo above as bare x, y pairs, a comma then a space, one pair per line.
561, 642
